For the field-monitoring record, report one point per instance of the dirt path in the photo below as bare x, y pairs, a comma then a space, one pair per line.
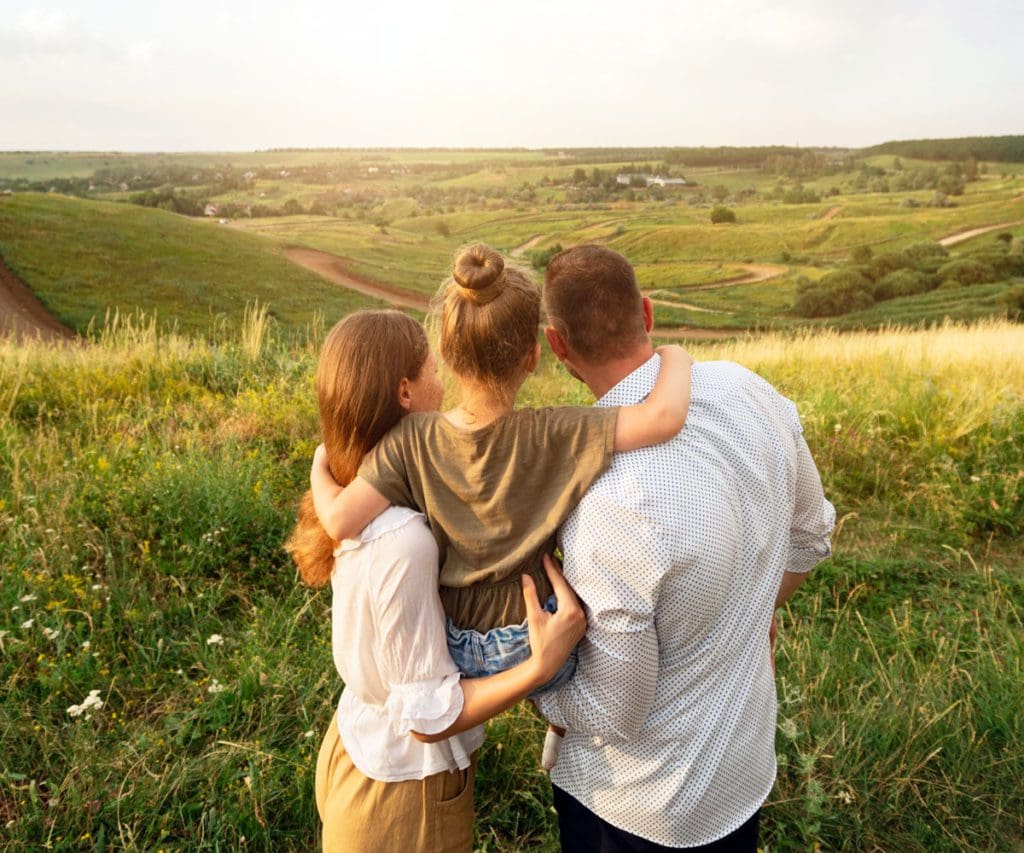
754, 273
689, 306
831, 213
333, 269
23, 315
960, 236
519, 250
687, 333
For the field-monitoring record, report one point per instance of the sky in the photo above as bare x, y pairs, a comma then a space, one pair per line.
232, 76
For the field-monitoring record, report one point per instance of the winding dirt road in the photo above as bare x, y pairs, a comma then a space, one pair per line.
333, 269
831, 213
23, 315
960, 236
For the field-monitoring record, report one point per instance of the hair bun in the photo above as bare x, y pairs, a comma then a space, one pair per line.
480, 273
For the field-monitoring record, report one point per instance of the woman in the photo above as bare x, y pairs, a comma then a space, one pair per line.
396, 766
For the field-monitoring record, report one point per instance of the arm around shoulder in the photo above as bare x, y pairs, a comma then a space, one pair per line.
343, 511
663, 413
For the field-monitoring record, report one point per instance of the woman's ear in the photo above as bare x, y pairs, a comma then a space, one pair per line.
532, 359
404, 395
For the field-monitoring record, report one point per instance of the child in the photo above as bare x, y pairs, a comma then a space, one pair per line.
495, 482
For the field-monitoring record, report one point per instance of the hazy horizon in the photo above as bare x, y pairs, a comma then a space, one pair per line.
101, 76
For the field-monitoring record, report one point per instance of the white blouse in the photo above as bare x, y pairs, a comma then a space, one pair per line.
387, 634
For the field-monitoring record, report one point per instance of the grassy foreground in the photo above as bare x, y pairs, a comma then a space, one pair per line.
147, 482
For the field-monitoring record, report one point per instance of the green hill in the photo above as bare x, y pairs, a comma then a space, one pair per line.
85, 258
1001, 149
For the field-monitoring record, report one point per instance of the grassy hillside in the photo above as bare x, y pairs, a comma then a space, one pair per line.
85, 259
147, 483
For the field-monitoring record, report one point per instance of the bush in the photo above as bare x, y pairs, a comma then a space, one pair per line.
1013, 301
925, 249
839, 292
861, 254
887, 263
902, 283
722, 214
540, 258
965, 271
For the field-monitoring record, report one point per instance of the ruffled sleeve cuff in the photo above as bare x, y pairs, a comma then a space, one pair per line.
427, 707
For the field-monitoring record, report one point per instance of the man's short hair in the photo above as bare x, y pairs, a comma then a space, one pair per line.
592, 300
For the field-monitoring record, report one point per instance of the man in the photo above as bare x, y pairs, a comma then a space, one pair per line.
680, 553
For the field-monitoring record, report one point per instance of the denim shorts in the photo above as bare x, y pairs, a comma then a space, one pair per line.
477, 654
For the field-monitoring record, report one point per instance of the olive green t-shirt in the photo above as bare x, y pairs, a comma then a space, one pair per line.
494, 496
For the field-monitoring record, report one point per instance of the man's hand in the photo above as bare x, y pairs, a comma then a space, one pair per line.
552, 635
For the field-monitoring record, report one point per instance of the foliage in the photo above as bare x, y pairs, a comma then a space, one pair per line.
539, 258
147, 482
839, 292
721, 214
966, 271
1004, 149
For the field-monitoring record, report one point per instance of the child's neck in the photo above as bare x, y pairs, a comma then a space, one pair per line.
481, 404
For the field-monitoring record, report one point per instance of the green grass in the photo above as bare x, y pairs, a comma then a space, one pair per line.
85, 259
147, 483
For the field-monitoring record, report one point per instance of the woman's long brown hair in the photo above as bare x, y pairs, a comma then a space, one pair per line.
362, 363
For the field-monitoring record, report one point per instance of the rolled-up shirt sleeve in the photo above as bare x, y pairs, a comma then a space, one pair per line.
424, 691
616, 679
813, 516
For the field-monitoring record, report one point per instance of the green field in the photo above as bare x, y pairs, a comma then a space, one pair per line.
147, 482
87, 259
398, 217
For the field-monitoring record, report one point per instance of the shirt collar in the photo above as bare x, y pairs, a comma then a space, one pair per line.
634, 388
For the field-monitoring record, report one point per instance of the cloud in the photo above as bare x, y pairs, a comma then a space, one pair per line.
38, 32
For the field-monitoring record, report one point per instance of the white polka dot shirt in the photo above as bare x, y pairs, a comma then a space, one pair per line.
677, 552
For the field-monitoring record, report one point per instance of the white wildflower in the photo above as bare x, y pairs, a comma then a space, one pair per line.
51, 633
216, 687
308, 734
26, 598
28, 623
91, 702
215, 640
96, 587
86, 646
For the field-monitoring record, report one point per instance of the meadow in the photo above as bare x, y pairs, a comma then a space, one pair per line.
148, 480
397, 216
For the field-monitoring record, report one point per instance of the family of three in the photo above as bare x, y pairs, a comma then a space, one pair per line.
685, 504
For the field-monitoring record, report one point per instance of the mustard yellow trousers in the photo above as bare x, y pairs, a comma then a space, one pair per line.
432, 815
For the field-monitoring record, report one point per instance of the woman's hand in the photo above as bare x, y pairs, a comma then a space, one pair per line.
552, 635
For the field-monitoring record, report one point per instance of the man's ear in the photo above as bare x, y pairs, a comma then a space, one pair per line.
404, 395
557, 343
648, 308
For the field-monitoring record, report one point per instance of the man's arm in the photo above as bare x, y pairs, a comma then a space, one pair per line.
616, 679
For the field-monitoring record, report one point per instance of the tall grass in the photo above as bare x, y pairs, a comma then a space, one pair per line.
147, 481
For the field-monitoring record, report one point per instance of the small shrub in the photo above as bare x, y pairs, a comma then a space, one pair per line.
839, 292
721, 214
1013, 301
965, 271
861, 254
925, 249
887, 263
902, 283
540, 258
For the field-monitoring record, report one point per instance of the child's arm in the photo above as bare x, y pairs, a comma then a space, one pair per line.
343, 511
663, 413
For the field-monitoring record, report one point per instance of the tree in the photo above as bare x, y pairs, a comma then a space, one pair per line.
971, 169
721, 214
579, 176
